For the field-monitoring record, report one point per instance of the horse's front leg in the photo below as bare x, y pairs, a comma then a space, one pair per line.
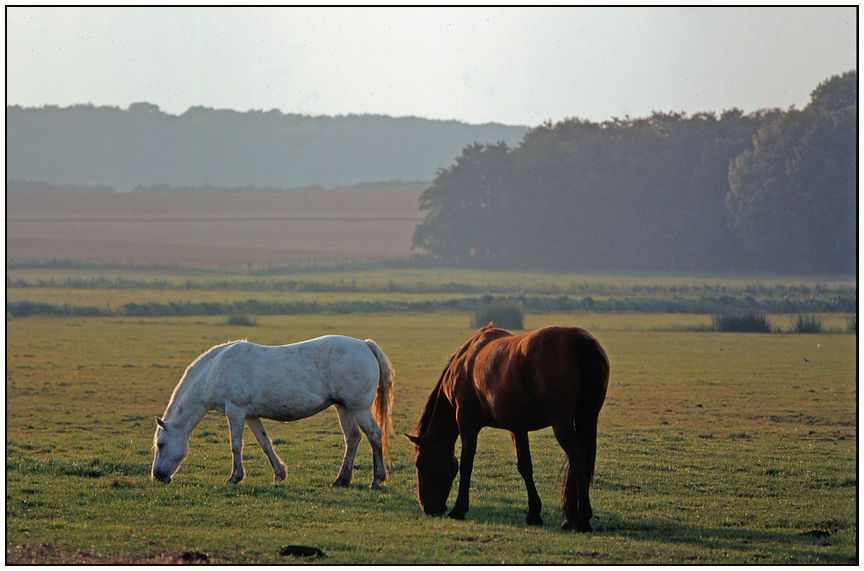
236, 419
469, 448
257, 428
526, 470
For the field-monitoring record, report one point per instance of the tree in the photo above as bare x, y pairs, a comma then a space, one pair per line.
463, 205
625, 193
792, 198
767, 190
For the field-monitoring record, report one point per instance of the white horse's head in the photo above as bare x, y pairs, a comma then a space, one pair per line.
170, 447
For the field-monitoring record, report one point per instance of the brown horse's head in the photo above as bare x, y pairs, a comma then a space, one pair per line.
436, 469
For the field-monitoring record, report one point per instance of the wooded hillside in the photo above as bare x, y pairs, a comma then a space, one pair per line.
142, 146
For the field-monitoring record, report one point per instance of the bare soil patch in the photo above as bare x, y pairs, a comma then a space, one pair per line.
46, 554
229, 229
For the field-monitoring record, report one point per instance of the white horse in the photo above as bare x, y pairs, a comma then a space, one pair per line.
248, 382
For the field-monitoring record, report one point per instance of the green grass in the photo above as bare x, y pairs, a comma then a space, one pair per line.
713, 448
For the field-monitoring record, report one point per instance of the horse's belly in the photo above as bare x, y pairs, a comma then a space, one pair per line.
517, 415
287, 412
520, 423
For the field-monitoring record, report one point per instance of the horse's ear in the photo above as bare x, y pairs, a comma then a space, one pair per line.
415, 440
161, 423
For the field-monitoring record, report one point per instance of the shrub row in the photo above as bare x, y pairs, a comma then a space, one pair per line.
756, 322
27, 308
743, 322
560, 304
753, 293
704, 305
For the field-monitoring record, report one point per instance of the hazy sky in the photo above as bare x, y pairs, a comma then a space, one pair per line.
514, 66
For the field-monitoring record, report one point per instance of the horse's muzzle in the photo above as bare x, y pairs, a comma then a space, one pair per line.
164, 478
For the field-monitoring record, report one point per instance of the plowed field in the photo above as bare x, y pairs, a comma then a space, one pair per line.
212, 229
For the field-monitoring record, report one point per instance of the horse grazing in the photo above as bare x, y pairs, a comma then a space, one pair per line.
248, 382
552, 376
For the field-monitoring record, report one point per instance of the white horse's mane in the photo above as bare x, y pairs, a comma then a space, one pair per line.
192, 369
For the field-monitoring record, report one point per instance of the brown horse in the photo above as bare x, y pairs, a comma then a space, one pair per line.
555, 376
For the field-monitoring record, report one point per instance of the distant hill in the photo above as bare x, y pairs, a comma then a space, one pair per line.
142, 146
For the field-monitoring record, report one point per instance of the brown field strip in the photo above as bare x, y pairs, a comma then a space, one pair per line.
230, 229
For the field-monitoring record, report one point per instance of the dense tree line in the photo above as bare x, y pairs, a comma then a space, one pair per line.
771, 189
144, 147
793, 195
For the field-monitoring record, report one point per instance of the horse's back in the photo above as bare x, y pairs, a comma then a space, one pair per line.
563, 348
332, 352
547, 372
296, 380
567, 361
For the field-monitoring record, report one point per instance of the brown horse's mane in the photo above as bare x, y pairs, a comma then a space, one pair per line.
429, 407
426, 416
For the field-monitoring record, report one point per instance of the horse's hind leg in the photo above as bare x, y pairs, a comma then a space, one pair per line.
575, 503
236, 418
526, 470
375, 436
257, 428
351, 430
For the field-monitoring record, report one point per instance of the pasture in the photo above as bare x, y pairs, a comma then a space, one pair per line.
713, 447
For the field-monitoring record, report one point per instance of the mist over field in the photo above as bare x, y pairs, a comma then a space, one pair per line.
771, 190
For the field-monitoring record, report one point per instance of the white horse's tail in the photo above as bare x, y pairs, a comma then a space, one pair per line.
383, 404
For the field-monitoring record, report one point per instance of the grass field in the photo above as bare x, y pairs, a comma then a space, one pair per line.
713, 448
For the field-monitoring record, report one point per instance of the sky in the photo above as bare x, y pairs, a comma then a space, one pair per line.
517, 66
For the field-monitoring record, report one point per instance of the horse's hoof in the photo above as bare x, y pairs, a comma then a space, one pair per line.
577, 528
340, 483
534, 520
375, 486
435, 512
456, 515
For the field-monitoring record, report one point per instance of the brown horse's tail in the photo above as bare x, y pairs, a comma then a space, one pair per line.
597, 370
382, 406
594, 378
